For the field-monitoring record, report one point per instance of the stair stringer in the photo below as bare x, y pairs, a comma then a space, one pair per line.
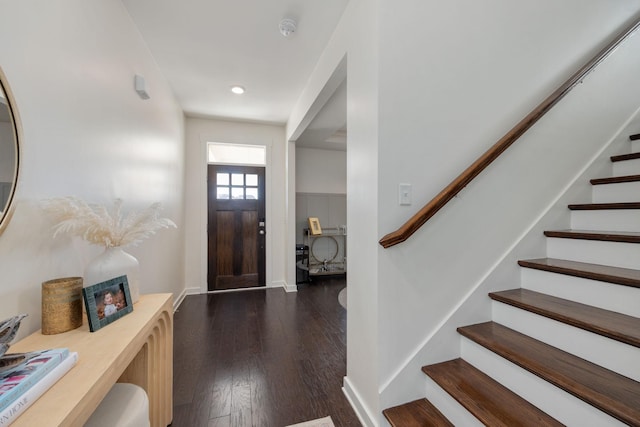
443, 343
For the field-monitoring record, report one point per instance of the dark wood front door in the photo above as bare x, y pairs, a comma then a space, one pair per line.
236, 231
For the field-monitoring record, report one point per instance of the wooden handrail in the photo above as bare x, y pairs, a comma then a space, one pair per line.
451, 190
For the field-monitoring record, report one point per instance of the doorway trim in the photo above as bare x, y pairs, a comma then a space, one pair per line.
298, 123
204, 140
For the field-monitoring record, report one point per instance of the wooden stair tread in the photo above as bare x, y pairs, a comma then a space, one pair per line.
419, 413
615, 179
489, 401
623, 157
603, 273
617, 326
606, 390
634, 137
609, 236
604, 206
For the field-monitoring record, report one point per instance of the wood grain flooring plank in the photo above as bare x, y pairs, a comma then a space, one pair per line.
200, 410
220, 402
241, 418
262, 406
287, 348
220, 422
242, 371
240, 398
186, 374
181, 414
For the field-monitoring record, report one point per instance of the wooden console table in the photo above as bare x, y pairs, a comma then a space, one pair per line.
137, 348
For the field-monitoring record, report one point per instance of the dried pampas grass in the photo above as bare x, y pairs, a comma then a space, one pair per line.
98, 225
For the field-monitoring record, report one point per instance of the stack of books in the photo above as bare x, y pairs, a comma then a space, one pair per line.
28, 376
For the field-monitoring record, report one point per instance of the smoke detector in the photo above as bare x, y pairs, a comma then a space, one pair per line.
287, 26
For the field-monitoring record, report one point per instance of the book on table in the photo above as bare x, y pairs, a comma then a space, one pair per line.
26, 399
31, 369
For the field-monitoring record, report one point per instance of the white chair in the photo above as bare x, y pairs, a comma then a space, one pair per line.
126, 405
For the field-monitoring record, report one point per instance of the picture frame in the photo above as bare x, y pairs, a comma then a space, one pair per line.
314, 226
103, 309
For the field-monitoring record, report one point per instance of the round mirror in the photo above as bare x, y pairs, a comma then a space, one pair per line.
9, 153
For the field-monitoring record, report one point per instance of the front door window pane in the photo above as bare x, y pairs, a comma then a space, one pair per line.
252, 179
237, 179
252, 193
222, 178
237, 193
222, 193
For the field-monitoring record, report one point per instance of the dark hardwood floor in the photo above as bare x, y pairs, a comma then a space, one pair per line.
261, 358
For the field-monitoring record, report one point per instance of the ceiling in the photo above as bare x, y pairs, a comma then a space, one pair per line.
203, 47
328, 130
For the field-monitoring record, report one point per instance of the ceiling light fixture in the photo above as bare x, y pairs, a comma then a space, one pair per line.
238, 90
287, 26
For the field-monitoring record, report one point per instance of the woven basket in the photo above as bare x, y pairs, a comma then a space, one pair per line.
61, 305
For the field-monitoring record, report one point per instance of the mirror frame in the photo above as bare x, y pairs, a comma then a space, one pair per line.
17, 135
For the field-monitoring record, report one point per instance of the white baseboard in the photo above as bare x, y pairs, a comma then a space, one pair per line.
179, 299
197, 291
192, 291
366, 418
184, 293
285, 286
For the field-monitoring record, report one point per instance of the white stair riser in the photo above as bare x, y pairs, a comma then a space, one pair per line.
562, 406
616, 254
635, 146
609, 296
616, 193
606, 220
608, 353
450, 408
626, 167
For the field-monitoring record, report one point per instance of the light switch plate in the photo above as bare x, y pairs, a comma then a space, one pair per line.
404, 192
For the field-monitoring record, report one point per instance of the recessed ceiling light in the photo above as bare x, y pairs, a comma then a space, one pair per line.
238, 90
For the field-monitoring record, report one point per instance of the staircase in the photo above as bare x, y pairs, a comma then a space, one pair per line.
513, 372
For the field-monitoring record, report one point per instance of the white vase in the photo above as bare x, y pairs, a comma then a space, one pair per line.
112, 263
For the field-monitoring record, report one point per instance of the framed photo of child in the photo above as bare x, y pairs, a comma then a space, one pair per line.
106, 302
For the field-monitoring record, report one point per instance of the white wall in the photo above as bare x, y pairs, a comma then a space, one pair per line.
475, 76
321, 187
356, 40
70, 65
330, 209
582, 130
199, 131
363, 351
431, 86
321, 171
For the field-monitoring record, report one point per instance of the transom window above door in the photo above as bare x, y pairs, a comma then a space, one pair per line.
236, 186
236, 154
